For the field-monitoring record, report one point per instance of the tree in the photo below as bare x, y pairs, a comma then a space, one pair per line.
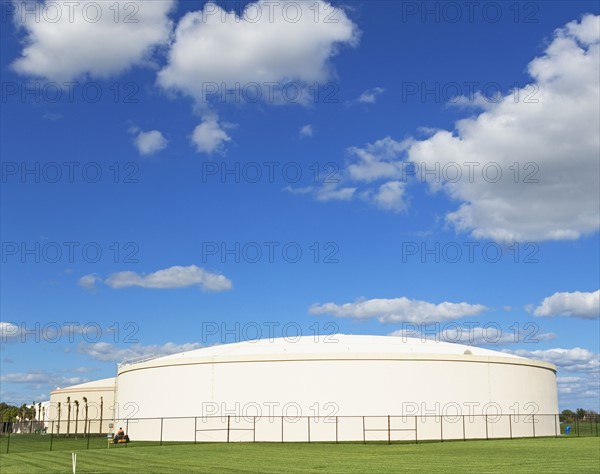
58, 426
85, 426
76, 416
8, 412
101, 409
567, 416
68, 415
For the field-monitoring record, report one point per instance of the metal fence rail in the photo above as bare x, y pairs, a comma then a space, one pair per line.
34, 435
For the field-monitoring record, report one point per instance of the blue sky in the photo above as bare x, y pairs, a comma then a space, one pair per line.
355, 167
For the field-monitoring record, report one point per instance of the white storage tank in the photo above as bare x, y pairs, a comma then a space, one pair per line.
337, 388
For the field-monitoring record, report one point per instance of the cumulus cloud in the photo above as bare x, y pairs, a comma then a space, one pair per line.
9, 331
68, 42
399, 310
378, 160
571, 360
373, 174
391, 196
369, 96
105, 351
89, 281
172, 277
41, 378
577, 305
549, 128
556, 131
307, 131
266, 48
148, 143
265, 44
331, 192
210, 137
579, 391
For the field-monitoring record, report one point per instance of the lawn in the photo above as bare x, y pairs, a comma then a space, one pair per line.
548, 455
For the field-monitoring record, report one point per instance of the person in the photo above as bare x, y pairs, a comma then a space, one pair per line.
120, 435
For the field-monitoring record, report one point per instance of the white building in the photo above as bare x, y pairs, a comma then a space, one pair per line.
75, 409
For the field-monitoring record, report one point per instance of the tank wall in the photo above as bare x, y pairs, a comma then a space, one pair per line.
451, 399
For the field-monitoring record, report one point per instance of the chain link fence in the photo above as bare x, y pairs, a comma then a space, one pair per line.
31, 436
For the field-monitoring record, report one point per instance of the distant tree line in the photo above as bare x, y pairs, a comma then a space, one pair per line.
580, 413
12, 412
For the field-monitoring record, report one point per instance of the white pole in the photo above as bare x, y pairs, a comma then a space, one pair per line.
74, 460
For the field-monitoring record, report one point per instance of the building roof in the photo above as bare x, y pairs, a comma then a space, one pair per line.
336, 344
108, 383
336, 347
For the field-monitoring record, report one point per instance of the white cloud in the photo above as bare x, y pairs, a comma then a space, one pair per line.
302, 190
378, 160
579, 390
210, 137
257, 54
550, 131
577, 305
218, 47
307, 131
370, 95
367, 166
106, 351
399, 310
172, 277
9, 331
391, 196
150, 142
557, 131
41, 378
89, 281
571, 360
72, 46
331, 192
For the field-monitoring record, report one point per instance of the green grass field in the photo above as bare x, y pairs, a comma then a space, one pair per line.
548, 455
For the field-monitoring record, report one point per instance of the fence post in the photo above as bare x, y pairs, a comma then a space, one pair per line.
51, 434
282, 428
228, 424
533, 424
510, 425
8, 441
441, 429
161, 431
577, 424
486, 428
308, 423
127, 430
88, 434
195, 428
254, 429
364, 433
416, 435
389, 432
336, 429
464, 433
556, 425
